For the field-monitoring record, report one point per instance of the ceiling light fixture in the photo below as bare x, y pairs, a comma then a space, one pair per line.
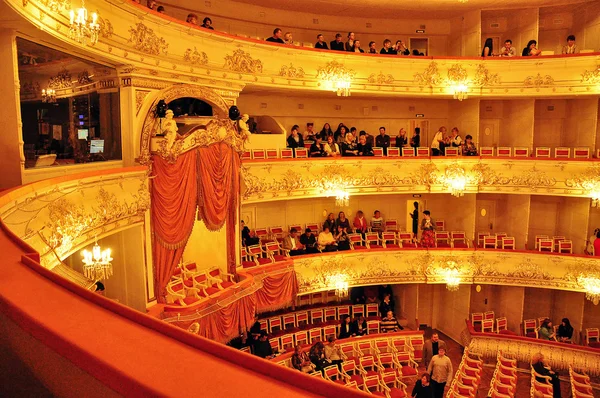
80, 29
97, 263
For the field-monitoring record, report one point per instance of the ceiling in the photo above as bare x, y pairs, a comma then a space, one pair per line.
400, 8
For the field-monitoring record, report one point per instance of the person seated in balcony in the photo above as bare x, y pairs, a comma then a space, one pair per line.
326, 241
589, 244
160, 9
349, 45
346, 328
401, 48
382, 140
537, 361
262, 348
389, 323
427, 228
387, 48
359, 326
372, 48
469, 148
364, 148
309, 134
316, 148
321, 43
276, 38
309, 241
337, 44
571, 47
415, 140
248, 237
331, 148
295, 140
401, 139
301, 361
597, 244
423, 387
565, 331
333, 352
357, 48
508, 50
192, 19
341, 237
151, 4
293, 244
342, 221
207, 23
455, 140
369, 137
488, 48
330, 222
377, 223
326, 131
340, 134
546, 331
317, 356
287, 38
438, 142
349, 147
386, 305
531, 50
360, 223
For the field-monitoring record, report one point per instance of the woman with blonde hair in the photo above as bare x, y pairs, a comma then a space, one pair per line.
349, 147
543, 373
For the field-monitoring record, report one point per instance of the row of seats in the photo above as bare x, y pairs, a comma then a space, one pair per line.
543, 243
487, 323
468, 376
394, 152
504, 379
543, 388
581, 386
189, 286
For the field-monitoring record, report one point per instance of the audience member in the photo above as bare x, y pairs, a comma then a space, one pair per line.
99, 288
160, 9
401, 48
364, 149
565, 331
321, 43
346, 328
389, 323
330, 222
537, 361
301, 361
337, 44
546, 332
293, 244
423, 388
276, 38
326, 241
207, 23
415, 52
571, 47
382, 140
340, 134
192, 18
401, 139
440, 368
255, 331
317, 356
531, 49
359, 326
316, 149
349, 147
437, 145
309, 134
151, 4
369, 137
360, 223
415, 219
342, 221
326, 131
455, 139
309, 241
333, 352
415, 140
387, 48
357, 295
263, 348
357, 48
508, 50
488, 48
431, 348
377, 224
349, 46
287, 38
427, 226
597, 244
385, 290
248, 237
331, 148
341, 237
372, 49
469, 148
386, 305
295, 140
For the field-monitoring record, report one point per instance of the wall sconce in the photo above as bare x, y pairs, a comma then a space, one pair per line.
591, 285
49, 96
455, 179
461, 92
336, 77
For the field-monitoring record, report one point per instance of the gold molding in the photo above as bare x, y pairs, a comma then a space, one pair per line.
61, 81
430, 77
145, 40
241, 61
291, 71
140, 95
591, 77
457, 74
334, 69
484, 78
106, 28
538, 81
195, 57
380, 78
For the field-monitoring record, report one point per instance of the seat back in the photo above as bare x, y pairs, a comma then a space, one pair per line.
592, 335
329, 330
391, 225
343, 311
487, 326
389, 238
301, 153
259, 154
289, 320
440, 225
565, 246
459, 237
247, 155
529, 326
422, 152
504, 151
442, 238
314, 227
372, 238
581, 153
308, 144
330, 313
286, 153
301, 318
372, 327
501, 324
378, 151
542, 152
355, 240
315, 334
316, 315
452, 151
408, 152
546, 245
476, 318
272, 153
406, 239
490, 242
486, 151
393, 152
372, 309
562, 152
521, 152
480, 237
358, 310
508, 242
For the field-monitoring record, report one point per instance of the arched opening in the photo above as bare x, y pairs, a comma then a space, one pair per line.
189, 106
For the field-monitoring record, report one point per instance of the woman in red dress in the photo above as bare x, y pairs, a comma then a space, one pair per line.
427, 226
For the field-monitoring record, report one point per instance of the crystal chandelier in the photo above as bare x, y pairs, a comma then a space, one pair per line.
595, 199
455, 179
337, 78
82, 30
452, 278
461, 92
339, 283
49, 95
591, 285
342, 198
97, 263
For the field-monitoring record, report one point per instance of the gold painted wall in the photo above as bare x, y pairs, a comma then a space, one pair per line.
450, 317
425, 307
206, 248
505, 301
572, 221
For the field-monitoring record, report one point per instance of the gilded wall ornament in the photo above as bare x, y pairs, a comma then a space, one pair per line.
57, 5
588, 181
30, 88
106, 28
486, 176
533, 179
84, 78
291, 71
335, 76
457, 74
140, 95
195, 57
538, 81
61, 81
380, 78
241, 61
484, 78
145, 40
591, 77
430, 77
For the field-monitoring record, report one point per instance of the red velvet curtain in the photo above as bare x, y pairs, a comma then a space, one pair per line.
174, 199
227, 323
278, 291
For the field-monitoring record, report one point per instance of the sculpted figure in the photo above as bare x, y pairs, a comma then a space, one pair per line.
169, 129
